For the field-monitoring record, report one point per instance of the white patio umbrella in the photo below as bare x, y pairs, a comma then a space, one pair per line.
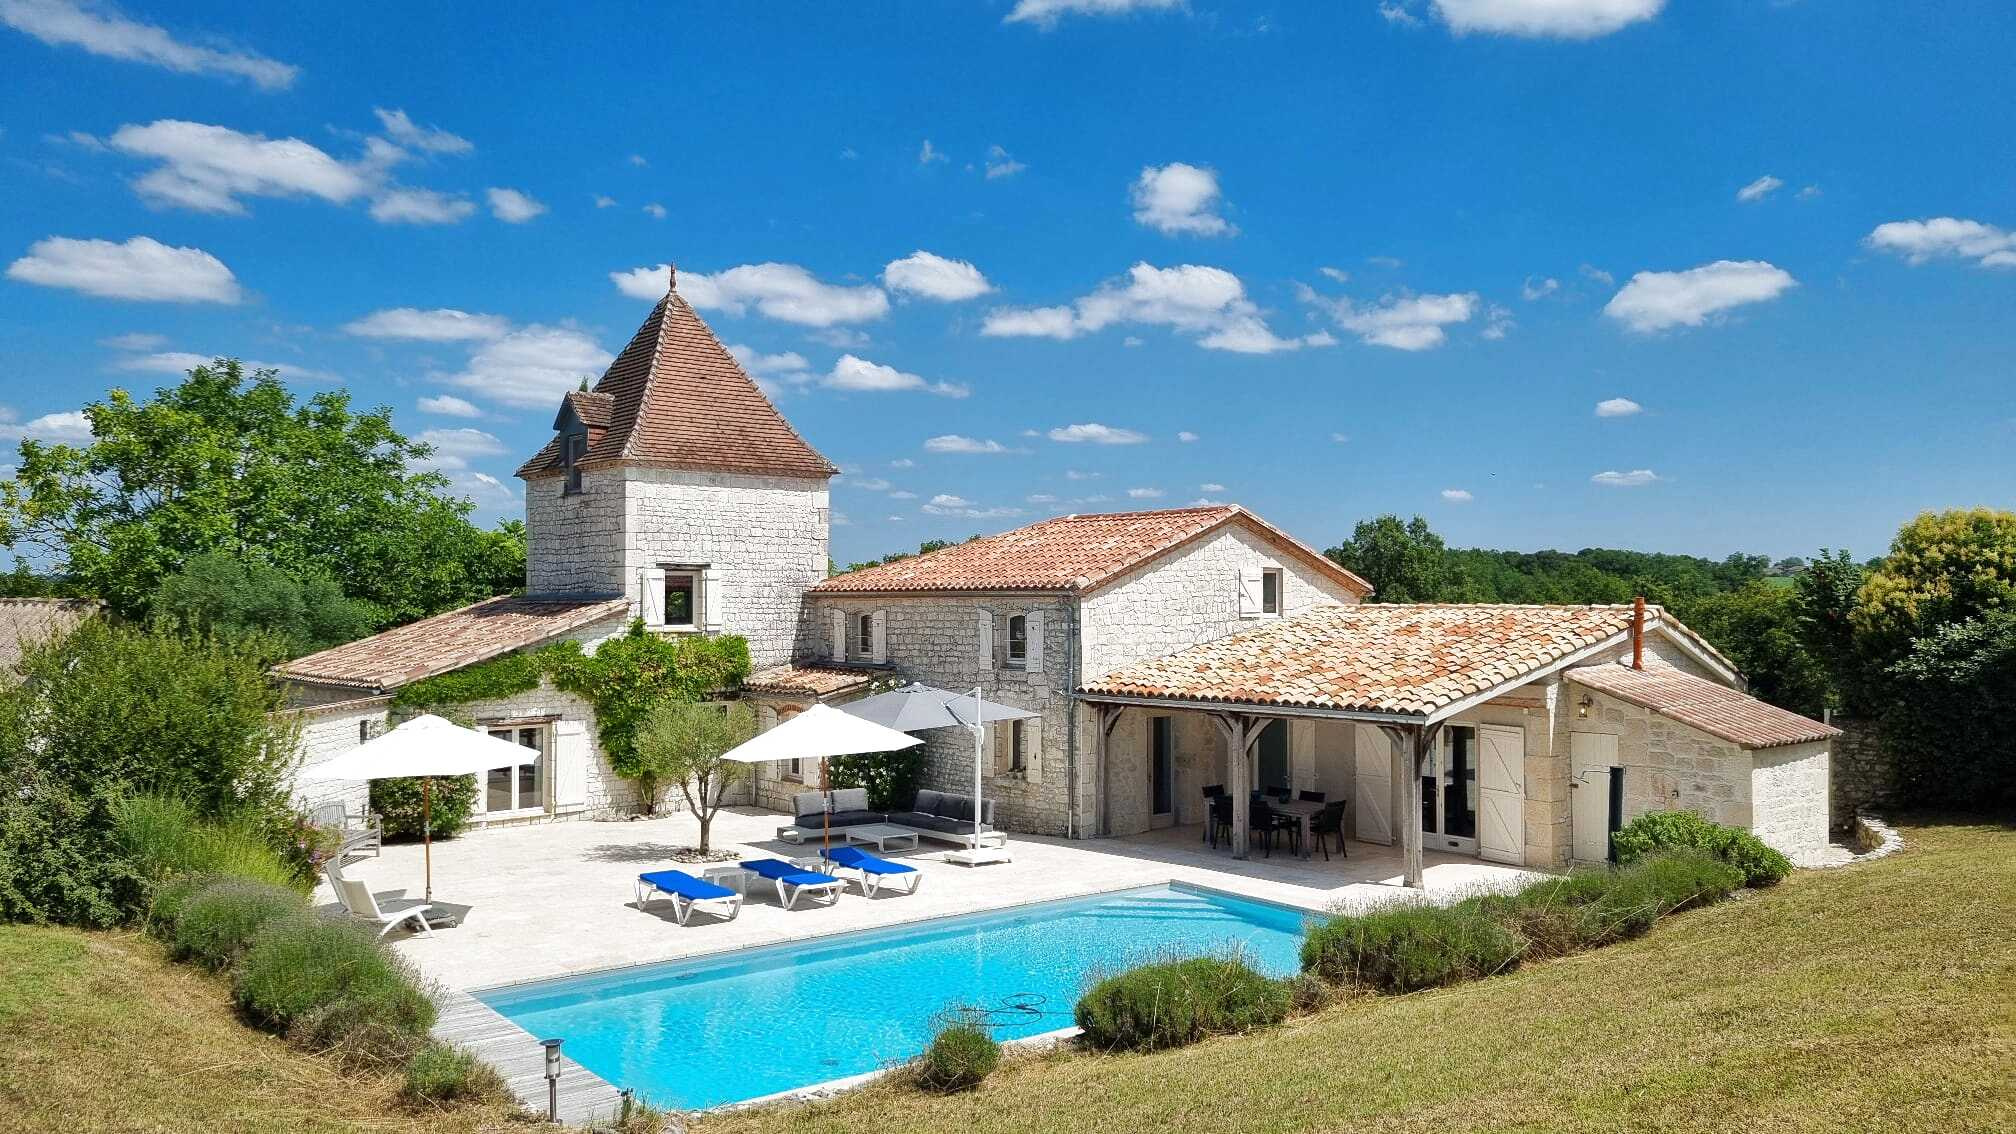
819, 731
916, 706
426, 746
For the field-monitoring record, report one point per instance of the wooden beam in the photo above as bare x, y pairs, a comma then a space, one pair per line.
1240, 788
1109, 715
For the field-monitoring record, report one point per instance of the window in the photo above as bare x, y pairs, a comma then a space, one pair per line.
573, 449
861, 641
682, 598
1018, 740
1270, 592
1018, 652
522, 786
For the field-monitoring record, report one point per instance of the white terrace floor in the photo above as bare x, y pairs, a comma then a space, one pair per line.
555, 899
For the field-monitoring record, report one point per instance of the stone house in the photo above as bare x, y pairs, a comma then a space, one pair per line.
1164, 650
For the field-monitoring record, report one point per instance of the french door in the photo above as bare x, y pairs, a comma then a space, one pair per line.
1449, 792
516, 787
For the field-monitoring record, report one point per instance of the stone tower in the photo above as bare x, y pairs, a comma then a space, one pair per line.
676, 484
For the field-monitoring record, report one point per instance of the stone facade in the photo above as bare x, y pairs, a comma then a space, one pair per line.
1788, 796
762, 539
328, 729
1862, 775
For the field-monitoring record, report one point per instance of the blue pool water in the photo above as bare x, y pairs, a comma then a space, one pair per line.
716, 1030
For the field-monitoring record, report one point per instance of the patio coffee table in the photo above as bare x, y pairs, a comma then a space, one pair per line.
731, 876
883, 835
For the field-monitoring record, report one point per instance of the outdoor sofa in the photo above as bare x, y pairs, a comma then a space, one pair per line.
939, 815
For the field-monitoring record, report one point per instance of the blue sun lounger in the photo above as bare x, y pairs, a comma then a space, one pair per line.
686, 892
873, 873
795, 880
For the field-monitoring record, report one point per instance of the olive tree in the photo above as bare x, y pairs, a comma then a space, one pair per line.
682, 742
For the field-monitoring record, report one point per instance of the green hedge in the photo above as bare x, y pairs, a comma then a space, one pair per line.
960, 1057
333, 985
216, 924
1666, 830
1411, 947
1171, 1003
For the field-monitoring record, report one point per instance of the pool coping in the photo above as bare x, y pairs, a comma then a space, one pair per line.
812, 1091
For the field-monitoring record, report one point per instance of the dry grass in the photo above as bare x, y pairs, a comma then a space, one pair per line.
100, 1032
1874, 997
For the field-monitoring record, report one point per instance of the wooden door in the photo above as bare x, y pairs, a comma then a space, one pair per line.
1501, 792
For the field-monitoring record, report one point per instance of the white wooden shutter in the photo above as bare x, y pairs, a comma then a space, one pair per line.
1501, 794
1373, 784
878, 649
997, 743
1032, 750
651, 596
986, 639
836, 620
1249, 592
570, 765
713, 601
1032, 632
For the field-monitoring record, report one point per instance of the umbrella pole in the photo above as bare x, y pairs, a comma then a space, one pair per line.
825, 813
427, 831
978, 731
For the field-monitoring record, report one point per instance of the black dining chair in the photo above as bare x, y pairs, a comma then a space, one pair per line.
1327, 822
1260, 824
1310, 796
1281, 793
1219, 819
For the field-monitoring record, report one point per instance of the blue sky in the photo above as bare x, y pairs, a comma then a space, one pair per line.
1704, 277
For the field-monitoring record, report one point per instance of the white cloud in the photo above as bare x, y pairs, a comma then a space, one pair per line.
1039, 498
656, 210
70, 427
1210, 488
491, 496
1592, 272
1388, 262
902, 463
1402, 322
1045, 13
1207, 302
1338, 274
785, 292
638, 160
1498, 322
426, 139
420, 206
871, 484
532, 367
1340, 438
1457, 495
448, 405
935, 277
1144, 494
947, 500
142, 268
1179, 198
854, 373
1656, 301
1759, 189
513, 207
1618, 407
101, 31
902, 494
1558, 19
439, 325
1614, 479
1185, 436
604, 201
769, 370
1097, 434
1809, 193
1000, 164
1395, 12
455, 448
137, 340
1919, 241
928, 154
1537, 289
208, 168
1075, 474
954, 443
183, 361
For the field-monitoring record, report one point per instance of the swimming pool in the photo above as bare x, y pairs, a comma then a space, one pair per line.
724, 1029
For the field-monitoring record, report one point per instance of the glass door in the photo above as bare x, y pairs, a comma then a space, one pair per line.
516, 787
1449, 792
1161, 771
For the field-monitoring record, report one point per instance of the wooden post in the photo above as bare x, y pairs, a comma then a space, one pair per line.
1410, 817
1109, 717
1242, 781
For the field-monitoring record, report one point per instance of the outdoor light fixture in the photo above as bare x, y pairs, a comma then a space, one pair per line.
1583, 705
552, 1047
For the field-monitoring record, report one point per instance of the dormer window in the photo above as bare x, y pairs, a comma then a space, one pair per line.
573, 450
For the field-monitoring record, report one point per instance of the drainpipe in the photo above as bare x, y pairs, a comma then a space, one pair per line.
1071, 719
1638, 633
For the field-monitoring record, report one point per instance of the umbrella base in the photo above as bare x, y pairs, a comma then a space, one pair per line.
981, 856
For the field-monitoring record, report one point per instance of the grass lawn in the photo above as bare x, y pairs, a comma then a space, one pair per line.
100, 1032
1874, 997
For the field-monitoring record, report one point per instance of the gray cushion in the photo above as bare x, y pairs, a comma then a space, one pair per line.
927, 802
913, 819
851, 818
850, 799
956, 807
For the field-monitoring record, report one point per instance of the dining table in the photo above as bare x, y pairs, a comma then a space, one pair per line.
1302, 809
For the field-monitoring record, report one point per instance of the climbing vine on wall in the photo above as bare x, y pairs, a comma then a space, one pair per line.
487, 680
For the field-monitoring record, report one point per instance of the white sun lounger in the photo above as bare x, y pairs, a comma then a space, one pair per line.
363, 905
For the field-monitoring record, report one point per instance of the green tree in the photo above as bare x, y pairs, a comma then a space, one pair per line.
1404, 562
681, 742
218, 594
109, 711
23, 582
1825, 595
1943, 568
229, 462
1759, 628
1946, 718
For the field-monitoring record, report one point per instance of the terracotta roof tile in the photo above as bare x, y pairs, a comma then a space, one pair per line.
26, 622
809, 679
1374, 658
1698, 703
449, 641
1069, 553
675, 398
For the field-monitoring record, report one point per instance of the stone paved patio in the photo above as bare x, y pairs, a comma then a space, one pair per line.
550, 900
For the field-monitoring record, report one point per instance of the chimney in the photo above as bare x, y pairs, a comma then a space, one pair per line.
1638, 633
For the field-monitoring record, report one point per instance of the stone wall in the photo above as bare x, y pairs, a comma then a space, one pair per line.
1179, 601
328, 730
574, 544
1862, 774
1789, 797
936, 640
1669, 766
